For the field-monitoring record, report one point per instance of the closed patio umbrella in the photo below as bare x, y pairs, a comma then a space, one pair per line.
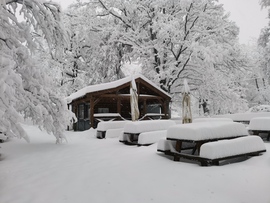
134, 100
186, 104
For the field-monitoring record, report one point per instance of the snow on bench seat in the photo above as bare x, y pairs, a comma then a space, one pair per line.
197, 120
107, 125
230, 148
206, 131
147, 138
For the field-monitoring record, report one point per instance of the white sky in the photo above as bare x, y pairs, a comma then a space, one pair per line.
248, 16
246, 13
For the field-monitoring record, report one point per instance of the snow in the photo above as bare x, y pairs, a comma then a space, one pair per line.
146, 126
110, 85
3, 137
166, 145
87, 169
259, 123
151, 137
204, 131
225, 148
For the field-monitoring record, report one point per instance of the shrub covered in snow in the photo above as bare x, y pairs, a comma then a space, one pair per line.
260, 108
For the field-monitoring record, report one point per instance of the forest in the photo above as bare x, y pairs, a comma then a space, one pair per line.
47, 54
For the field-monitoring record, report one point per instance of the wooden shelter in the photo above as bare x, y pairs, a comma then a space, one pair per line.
111, 101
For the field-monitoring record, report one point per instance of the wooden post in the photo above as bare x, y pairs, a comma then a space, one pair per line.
92, 105
75, 111
166, 109
119, 105
144, 107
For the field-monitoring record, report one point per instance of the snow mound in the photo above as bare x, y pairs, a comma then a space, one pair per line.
205, 131
259, 123
237, 146
147, 126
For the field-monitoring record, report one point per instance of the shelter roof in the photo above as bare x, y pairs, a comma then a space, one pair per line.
111, 85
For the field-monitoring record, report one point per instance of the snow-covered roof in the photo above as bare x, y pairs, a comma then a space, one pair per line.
110, 85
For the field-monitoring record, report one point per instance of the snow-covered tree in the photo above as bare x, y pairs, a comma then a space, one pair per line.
173, 39
92, 57
25, 89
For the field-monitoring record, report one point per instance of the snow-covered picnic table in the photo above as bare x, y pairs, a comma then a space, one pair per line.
201, 134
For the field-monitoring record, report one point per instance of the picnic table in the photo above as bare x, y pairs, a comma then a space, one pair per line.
214, 142
201, 133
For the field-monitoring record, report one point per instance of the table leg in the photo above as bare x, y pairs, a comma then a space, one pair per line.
178, 148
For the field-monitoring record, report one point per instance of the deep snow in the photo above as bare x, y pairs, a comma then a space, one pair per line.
87, 169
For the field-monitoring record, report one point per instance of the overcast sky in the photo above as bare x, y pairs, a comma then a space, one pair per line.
248, 16
246, 13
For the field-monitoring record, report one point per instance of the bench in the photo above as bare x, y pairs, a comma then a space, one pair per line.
132, 130
104, 126
259, 126
214, 152
148, 138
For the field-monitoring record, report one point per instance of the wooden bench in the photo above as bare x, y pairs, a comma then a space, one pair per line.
259, 126
133, 130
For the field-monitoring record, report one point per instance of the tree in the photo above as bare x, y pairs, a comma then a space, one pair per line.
25, 90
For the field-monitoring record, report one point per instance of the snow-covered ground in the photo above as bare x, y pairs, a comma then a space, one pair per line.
87, 169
